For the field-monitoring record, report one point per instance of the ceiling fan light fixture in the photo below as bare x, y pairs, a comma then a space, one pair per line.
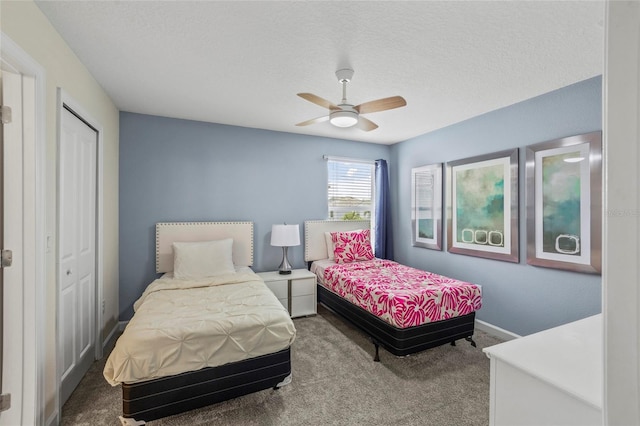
346, 114
343, 118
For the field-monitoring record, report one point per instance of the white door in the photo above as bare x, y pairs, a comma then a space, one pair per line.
11, 231
77, 250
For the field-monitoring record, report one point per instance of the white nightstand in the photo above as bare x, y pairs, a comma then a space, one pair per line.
296, 291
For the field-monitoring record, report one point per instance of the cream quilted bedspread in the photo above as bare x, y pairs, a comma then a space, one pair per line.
183, 326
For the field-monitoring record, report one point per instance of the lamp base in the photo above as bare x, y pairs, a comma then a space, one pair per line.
285, 266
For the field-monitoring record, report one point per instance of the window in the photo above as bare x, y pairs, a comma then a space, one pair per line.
350, 189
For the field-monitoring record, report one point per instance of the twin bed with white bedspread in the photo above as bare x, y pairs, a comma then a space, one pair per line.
213, 332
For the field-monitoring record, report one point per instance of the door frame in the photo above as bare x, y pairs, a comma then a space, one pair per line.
620, 276
64, 100
33, 309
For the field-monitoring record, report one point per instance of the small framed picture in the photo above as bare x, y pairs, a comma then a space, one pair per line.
426, 206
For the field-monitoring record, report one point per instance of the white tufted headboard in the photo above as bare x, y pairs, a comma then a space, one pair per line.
169, 232
315, 246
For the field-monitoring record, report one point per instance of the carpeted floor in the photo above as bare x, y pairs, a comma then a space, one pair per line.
335, 382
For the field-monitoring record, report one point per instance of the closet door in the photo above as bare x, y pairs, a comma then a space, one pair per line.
77, 250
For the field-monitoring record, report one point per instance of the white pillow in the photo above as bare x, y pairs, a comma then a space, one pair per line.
330, 245
202, 259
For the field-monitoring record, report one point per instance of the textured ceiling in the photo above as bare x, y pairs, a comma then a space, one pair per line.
242, 63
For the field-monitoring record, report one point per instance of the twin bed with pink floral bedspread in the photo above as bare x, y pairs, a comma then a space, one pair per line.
398, 294
403, 309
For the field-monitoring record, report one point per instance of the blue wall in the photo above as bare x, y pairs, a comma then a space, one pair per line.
179, 170
517, 297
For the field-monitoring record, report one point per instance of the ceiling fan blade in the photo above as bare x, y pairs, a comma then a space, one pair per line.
366, 125
381, 105
318, 101
314, 121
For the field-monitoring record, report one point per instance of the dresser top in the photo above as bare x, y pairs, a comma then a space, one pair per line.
568, 357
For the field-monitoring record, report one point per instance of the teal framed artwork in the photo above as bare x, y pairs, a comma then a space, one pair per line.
426, 206
564, 203
482, 206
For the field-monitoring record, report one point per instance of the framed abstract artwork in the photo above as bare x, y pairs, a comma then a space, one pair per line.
482, 206
426, 206
564, 202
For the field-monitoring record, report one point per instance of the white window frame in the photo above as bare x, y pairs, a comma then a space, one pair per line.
347, 161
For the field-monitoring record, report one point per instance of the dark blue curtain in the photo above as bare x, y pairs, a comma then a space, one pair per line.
383, 234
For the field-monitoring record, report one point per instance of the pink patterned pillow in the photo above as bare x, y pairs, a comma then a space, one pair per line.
352, 246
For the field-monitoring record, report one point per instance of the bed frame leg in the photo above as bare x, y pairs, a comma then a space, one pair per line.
376, 358
284, 382
470, 339
453, 343
130, 422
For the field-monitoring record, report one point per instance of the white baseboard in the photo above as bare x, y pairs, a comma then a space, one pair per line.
110, 340
52, 420
113, 331
496, 331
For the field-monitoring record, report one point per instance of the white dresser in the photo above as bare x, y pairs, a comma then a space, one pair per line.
554, 377
296, 291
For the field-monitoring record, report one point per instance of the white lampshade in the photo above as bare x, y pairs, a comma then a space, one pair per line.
285, 235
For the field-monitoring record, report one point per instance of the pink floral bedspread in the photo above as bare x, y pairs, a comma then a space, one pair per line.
401, 295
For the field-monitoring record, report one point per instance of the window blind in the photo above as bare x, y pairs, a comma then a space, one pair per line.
350, 188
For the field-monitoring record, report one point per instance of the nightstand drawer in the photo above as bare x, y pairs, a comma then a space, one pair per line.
279, 288
303, 305
303, 287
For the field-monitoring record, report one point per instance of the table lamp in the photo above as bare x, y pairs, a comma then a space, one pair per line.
285, 236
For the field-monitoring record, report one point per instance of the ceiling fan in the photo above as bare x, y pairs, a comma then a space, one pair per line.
347, 115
